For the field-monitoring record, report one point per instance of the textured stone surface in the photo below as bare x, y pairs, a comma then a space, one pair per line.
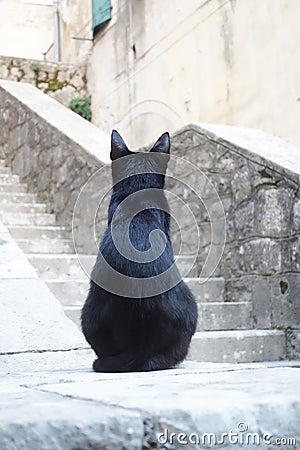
61, 81
238, 346
65, 424
256, 177
78, 409
225, 316
31, 318
38, 132
211, 290
47, 361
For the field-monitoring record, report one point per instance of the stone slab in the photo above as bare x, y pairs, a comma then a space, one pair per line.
225, 316
37, 420
95, 141
238, 346
72, 292
79, 409
207, 290
63, 266
260, 146
33, 320
13, 263
47, 361
39, 245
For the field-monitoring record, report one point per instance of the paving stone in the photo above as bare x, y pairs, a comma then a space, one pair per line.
66, 424
32, 319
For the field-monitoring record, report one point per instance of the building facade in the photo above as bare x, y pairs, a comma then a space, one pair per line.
154, 66
157, 65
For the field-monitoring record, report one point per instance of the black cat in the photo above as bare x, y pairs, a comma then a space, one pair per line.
139, 315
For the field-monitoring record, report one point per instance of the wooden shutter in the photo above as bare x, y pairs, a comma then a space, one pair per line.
101, 10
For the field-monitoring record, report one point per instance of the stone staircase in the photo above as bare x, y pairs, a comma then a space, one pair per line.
225, 330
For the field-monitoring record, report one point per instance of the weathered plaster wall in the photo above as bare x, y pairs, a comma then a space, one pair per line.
76, 30
26, 28
163, 64
61, 81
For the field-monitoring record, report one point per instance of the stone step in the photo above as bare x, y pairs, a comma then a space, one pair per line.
62, 267
9, 178
238, 346
186, 265
23, 207
74, 313
46, 246
17, 197
40, 232
207, 290
75, 288
27, 218
70, 293
5, 170
13, 188
225, 316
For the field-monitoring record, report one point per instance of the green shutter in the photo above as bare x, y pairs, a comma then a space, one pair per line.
101, 10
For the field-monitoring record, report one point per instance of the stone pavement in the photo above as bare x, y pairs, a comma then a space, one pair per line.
51, 400
77, 409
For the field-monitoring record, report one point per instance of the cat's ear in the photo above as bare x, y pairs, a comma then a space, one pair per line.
118, 146
162, 145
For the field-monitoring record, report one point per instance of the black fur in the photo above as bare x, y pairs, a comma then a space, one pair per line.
138, 334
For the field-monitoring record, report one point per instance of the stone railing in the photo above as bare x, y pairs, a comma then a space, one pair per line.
55, 152
61, 81
257, 178
255, 175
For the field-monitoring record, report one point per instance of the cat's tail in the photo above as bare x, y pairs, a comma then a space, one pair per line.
131, 362
124, 362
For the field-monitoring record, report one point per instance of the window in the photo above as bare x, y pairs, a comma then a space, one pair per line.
101, 10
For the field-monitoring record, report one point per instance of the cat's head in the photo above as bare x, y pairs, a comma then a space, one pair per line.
147, 168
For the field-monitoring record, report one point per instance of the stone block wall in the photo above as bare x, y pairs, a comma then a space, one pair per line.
261, 199
61, 81
55, 152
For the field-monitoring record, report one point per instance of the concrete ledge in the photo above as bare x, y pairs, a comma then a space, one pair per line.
91, 138
256, 145
31, 318
69, 409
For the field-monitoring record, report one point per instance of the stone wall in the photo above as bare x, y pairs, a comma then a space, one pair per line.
195, 61
61, 81
257, 179
55, 152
